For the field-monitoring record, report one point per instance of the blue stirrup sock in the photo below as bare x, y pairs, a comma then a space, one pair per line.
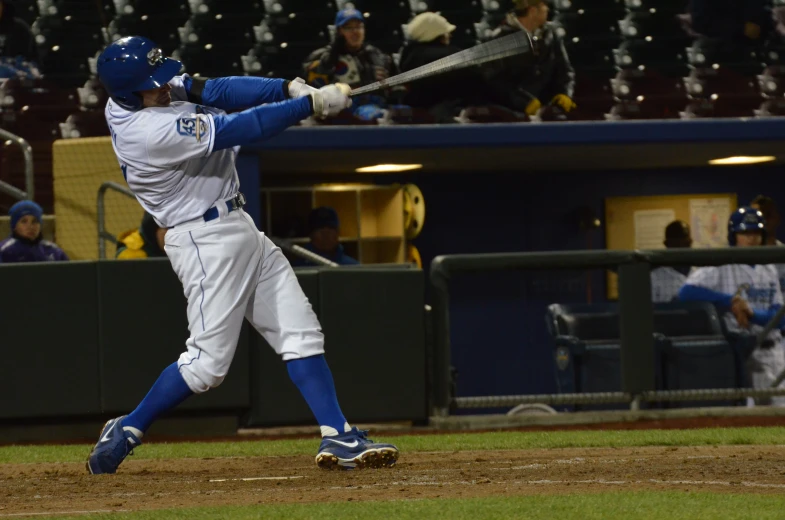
168, 391
315, 381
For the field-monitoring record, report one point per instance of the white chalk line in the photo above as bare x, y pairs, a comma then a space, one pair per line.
93, 511
247, 479
570, 482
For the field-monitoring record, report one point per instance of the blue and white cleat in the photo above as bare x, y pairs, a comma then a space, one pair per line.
112, 448
353, 450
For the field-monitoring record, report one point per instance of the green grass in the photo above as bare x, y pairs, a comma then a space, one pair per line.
667, 505
408, 444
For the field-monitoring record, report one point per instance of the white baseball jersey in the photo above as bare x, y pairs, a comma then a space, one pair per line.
760, 286
665, 284
166, 155
781, 270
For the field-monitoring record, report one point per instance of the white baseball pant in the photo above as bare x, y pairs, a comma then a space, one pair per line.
230, 271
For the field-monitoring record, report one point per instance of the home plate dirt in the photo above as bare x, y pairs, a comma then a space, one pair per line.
141, 484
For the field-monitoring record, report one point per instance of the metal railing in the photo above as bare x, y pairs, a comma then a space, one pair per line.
27, 151
635, 318
104, 235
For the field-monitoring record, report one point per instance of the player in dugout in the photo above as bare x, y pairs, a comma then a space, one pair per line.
749, 296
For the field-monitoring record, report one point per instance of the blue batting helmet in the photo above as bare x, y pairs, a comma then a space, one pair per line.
132, 64
745, 219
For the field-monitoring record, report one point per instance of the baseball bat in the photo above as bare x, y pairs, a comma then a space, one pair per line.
518, 42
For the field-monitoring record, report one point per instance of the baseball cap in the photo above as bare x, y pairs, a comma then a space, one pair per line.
426, 27
322, 217
345, 15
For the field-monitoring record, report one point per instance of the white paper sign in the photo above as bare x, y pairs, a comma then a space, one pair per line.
709, 222
650, 227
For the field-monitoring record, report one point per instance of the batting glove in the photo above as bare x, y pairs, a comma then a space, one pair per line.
299, 88
331, 100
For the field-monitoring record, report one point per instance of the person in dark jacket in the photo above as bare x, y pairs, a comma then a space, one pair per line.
445, 94
16, 39
733, 21
26, 242
324, 230
525, 83
351, 60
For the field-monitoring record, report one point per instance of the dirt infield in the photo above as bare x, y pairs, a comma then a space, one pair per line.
143, 484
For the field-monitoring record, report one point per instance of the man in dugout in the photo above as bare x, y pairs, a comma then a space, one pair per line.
527, 85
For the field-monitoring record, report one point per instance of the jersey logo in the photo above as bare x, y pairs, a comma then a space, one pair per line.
188, 127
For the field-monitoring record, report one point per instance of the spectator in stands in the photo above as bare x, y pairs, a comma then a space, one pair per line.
771, 215
18, 50
26, 243
324, 230
526, 83
666, 281
734, 21
444, 95
145, 242
748, 295
350, 59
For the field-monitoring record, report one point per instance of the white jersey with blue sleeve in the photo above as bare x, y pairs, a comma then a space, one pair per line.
167, 157
757, 284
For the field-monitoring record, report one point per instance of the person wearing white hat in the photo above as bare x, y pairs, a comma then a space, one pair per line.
428, 39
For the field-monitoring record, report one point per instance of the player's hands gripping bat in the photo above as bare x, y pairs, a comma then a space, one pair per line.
518, 42
331, 100
740, 308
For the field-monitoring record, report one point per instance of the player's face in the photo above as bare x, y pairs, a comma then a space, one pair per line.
325, 239
157, 97
748, 239
354, 33
28, 227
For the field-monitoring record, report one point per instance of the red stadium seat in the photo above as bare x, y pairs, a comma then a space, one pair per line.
643, 108
631, 83
490, 114
588, 5
88, 123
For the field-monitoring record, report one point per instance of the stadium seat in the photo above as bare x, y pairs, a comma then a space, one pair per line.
209, 28
161, 29
27, 10
721, 106
92, 95
587, 349
695, 352
276, 60
771, 81
383, 32
593, 98
372, 6
16, 93
445, 6
66, 62
744, 60
774, 107
602, 26
88, 123
250, 8
490, 114
212, 59
659, 6
631, 83
706, 82
595, 60
643, 108
177, 9
323, 10
663, 56
53, 30
573, 6
464, 36
654, 25
290, 29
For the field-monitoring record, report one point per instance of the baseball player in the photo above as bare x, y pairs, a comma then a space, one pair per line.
749, 295
666, 280
177, 147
